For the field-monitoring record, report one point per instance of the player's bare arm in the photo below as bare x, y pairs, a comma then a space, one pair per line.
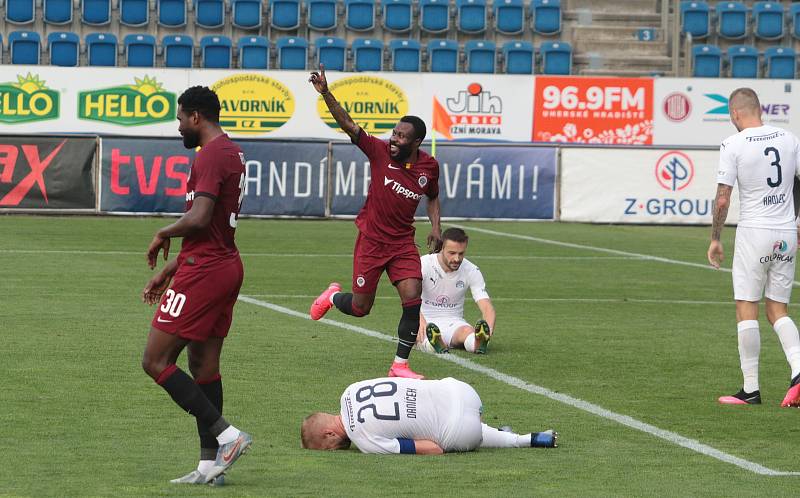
721, 204
488, 313
427, 447
194, 220
341, 116
435, 237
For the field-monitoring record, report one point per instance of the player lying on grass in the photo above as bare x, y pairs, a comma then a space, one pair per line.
413, 416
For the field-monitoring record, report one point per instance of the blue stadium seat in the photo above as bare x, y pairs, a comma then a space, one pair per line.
57, 11
253, 52
731, 20
780, 63
215, 52
768, 20
509, 16
209, 14
405, 55
246, 13
743, 61
695, 18
480, 56
359, 15
794, 14
140, 50
25, 47
321, 14
292, 52
367, 54
398, 15
134, 12
556, 57
19, 11
171, 13
443, 56
518, 56
434, 15
101, 49
178, 51
471, 16
546, 16
707, 61
96, 12
284, 14
64, 48
331, 52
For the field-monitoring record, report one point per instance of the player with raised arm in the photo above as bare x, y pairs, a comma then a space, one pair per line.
401, 175
197, 291
446, 276
763, 160
412, 416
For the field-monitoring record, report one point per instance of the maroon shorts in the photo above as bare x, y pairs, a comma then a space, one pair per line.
372, 257
199, 303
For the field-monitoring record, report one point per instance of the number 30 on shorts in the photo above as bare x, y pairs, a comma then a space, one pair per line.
174, 303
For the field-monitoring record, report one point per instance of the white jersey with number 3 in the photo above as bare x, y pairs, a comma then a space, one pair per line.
764, 162
443, 292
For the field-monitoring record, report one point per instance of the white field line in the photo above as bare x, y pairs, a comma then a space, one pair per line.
580, 404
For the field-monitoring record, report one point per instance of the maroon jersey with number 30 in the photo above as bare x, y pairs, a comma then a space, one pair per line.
217, 172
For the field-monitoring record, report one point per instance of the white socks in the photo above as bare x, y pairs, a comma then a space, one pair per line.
787, 333
469, 343
749, 350
495, 438
397, 359
228, 435
204, 467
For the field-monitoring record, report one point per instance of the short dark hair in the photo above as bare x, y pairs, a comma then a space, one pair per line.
455, 234
419, 126
201, 99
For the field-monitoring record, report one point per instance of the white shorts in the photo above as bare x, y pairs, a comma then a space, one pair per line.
462, 431
763, 264
448, 327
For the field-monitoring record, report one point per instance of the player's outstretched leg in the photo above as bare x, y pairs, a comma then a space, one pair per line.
505, 438
435, 339
324, 302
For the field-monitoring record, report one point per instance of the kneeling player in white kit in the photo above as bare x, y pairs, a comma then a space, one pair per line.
446, 275
764, 161
424, 417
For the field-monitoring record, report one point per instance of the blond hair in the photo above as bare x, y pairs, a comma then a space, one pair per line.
745, 101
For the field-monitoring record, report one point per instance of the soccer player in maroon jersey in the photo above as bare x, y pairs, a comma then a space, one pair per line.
401, 175
198, 289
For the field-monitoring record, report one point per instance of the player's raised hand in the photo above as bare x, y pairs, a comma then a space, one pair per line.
715, 253
156, 245
155, 288
434, 242
319, 80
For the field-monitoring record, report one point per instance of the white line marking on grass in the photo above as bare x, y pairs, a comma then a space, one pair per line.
580, 404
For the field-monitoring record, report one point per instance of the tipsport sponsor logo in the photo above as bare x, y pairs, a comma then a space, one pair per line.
401, 190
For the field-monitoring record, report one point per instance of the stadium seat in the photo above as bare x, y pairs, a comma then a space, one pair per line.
140, 50
101, 49
284, 14
96, 12
434, 15
731, 20
743, 61
171, 13
546, 15
331, 52
707, 61
480, 56
292, 52
794, 15
471, 16
215, 52
359, 15
321, 14
509, 16
556, 57
134, 12
253, 52
20, 11
24, 47
209, 14
695, 18
63, 48
178, 51
404, 55
367, 54
518, 57
780, 63
443, 56
57, 11
768, 20
398, 15
1, 44
246, 14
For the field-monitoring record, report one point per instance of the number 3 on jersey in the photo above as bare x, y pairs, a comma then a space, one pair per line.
777, 164
234, 219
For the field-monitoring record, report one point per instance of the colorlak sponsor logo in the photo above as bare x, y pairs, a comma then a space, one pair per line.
674, 172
